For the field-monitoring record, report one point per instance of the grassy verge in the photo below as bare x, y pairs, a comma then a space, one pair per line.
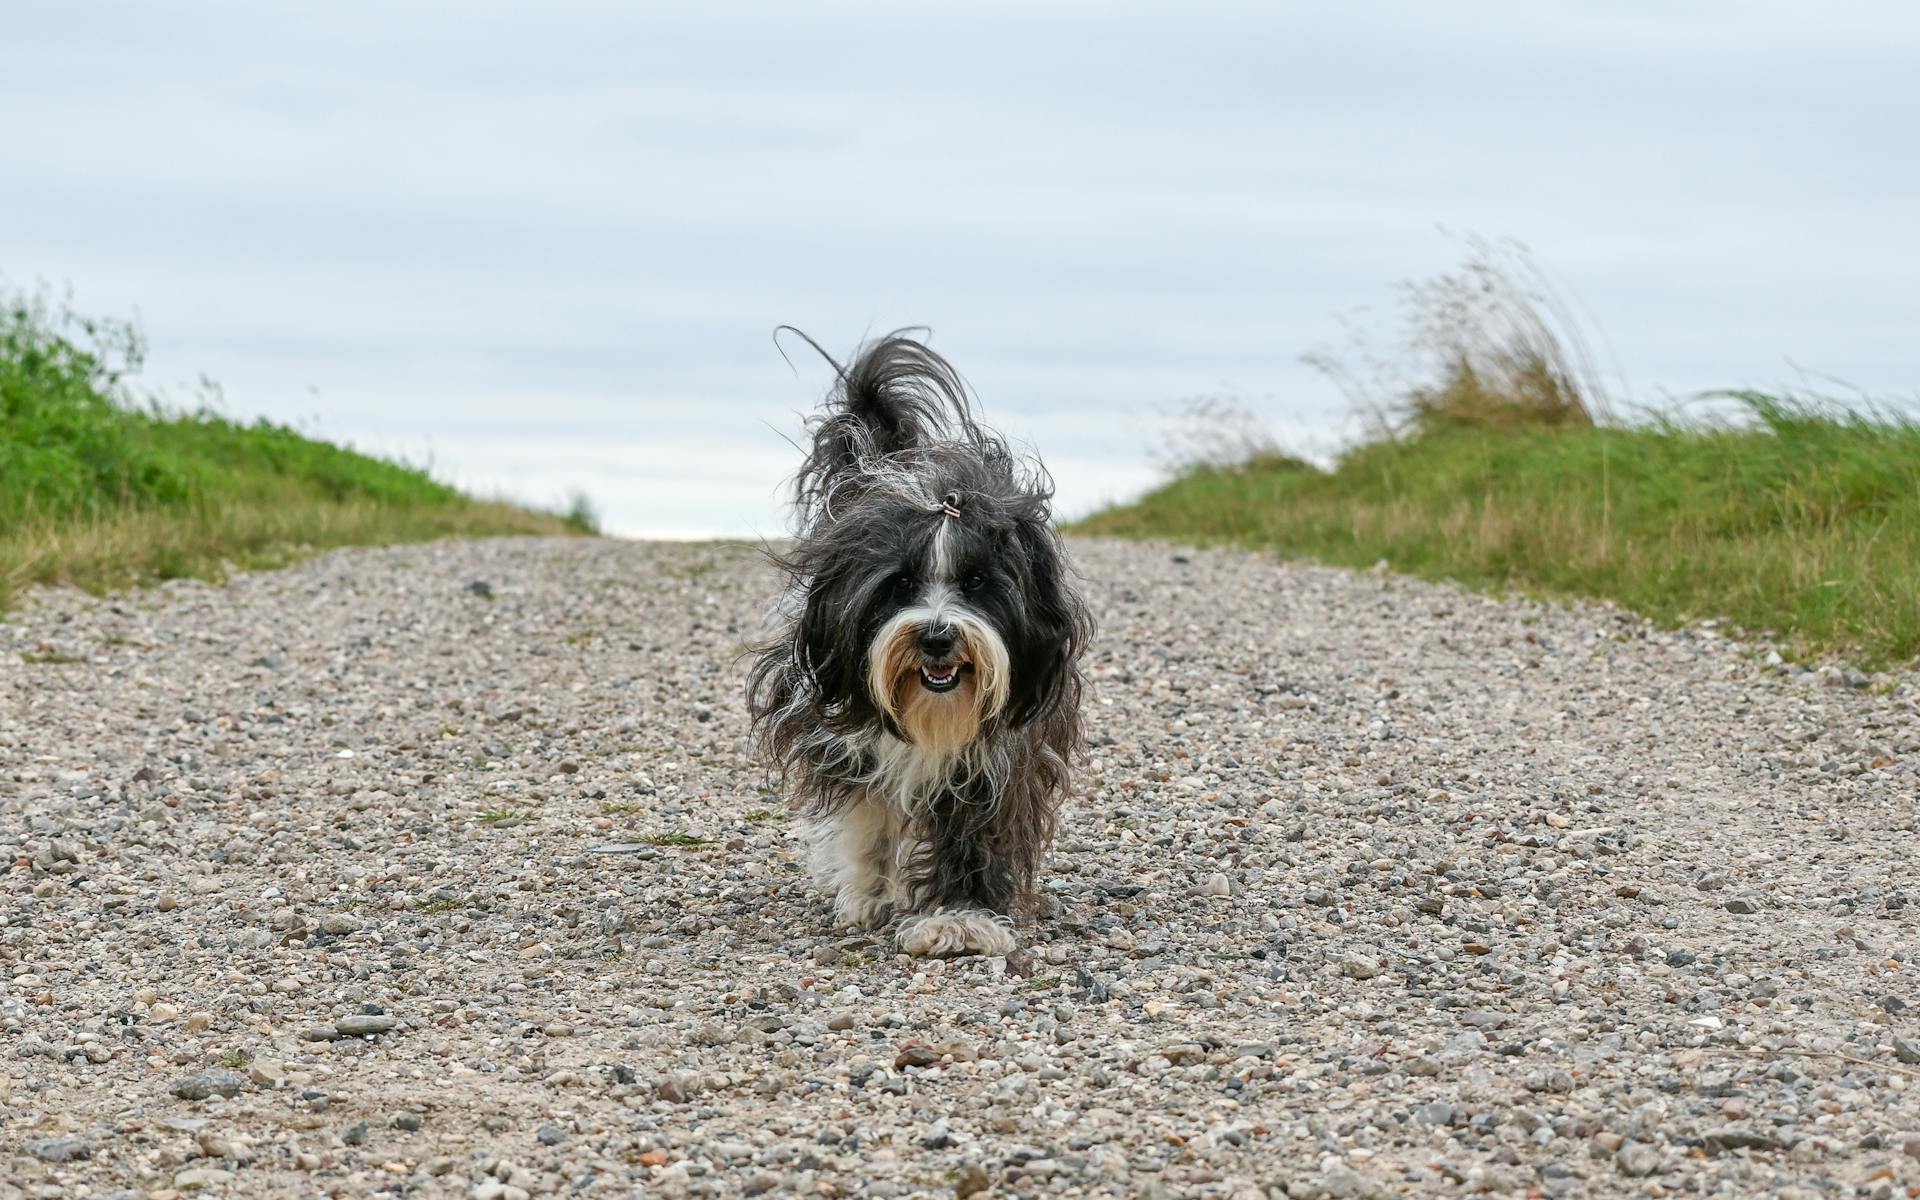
1792, 517
1806, 524
99, 490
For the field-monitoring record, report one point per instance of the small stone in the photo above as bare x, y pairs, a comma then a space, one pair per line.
165, 903
1358, 965
1637, 1159
1906, 1051
916, 1054
1555, 1080
410, 1122
1185, 1054
1742, 907
1719, 1141
208, 1083
557, 1029
840, 1022
339, 924
971, 1179
1437, 1113
361, 1025
1681, 958
550, 1135
671, 1090
63, 1149
163, 1013
196, 1178
1218, 885
267, 1073
320, 1033
355, 1134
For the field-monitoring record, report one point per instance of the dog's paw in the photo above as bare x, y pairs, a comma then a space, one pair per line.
861, 910
950, 933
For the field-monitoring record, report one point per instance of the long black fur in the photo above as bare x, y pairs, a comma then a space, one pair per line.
894, 443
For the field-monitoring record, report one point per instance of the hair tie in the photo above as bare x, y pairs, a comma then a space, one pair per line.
950, 504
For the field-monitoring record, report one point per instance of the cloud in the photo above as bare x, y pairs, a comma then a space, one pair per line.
490, 223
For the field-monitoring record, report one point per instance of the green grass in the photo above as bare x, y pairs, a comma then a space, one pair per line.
1803, 520
100, 489
676, 839
49, 658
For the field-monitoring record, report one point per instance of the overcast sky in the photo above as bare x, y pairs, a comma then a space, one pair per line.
548, 244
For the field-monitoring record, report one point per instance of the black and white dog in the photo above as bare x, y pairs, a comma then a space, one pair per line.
922, 698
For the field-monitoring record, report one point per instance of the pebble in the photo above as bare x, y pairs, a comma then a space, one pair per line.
62, 1150
1637, 1159
362, 1025
203, 1084
194, 1179
1360, 965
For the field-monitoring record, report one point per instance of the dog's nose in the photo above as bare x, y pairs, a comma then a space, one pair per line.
936, 641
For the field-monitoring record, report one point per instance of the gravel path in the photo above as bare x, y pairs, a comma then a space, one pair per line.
441, 871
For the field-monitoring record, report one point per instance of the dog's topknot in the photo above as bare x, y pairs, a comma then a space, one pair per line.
896, 401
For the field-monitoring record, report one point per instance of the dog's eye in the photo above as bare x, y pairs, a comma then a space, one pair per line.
903, 584
973, 582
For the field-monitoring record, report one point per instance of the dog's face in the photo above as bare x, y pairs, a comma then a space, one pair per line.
938, 626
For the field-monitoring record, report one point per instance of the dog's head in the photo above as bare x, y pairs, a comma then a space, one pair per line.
931, 597
938, 605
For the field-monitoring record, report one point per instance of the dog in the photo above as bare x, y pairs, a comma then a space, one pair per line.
922, 696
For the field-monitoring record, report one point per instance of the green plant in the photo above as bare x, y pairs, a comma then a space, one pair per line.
675, 838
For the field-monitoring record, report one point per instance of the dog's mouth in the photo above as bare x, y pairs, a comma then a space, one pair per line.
942, 677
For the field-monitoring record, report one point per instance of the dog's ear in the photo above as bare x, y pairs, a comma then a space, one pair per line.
1051, 632
825, 647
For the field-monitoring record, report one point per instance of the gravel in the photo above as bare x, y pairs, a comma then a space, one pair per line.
442, 871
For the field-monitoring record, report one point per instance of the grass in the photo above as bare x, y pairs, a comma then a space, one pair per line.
49, 658
1804, 523
676, 839
1789, 515
101, 489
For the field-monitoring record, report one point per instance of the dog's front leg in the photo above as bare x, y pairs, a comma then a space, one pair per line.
964, 885
855, 853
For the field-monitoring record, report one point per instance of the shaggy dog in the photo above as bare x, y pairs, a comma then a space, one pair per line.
922, 698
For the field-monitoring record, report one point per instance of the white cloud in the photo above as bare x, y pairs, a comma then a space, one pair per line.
529, 231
